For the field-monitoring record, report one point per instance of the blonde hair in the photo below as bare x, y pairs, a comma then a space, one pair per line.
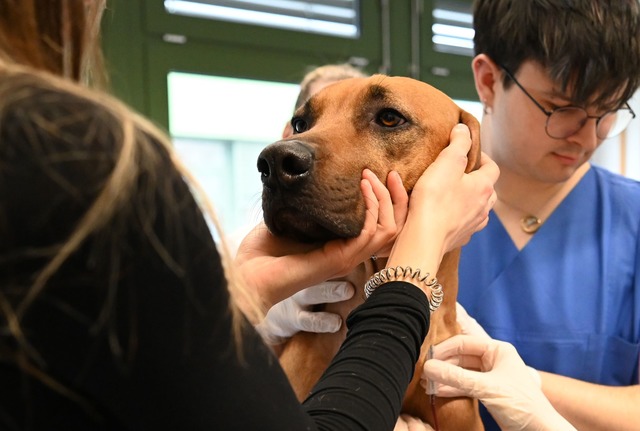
328, 73
61, 37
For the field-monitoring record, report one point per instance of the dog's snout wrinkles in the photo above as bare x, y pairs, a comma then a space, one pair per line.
285, 164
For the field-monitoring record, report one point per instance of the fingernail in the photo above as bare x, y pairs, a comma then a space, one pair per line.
345, 289
335, 327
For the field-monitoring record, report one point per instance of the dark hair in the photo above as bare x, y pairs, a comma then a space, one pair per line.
591, 48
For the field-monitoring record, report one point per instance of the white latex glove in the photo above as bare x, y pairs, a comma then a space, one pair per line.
409, 423
293, 314
503, 384
470, 326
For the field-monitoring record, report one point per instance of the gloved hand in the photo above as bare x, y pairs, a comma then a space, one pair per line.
292, 315
470, 326
410, 423
503, 384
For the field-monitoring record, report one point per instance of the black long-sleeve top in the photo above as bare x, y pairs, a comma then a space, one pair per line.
134, 331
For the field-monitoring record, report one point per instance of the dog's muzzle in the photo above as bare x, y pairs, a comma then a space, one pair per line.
295, 203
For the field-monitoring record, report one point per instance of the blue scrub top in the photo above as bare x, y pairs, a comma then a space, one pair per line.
569, 301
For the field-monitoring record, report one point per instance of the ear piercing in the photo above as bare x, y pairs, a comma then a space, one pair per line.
486, 110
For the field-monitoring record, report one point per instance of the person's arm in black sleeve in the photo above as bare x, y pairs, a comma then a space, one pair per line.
365, 383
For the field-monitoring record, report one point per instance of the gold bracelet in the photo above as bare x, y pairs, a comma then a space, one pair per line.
400, 273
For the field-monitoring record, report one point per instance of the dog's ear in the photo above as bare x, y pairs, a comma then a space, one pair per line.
474, 127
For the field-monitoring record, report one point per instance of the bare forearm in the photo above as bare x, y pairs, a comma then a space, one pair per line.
423, 255
591, 407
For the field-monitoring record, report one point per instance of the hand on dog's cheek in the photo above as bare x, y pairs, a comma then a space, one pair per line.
464, 199
400, 200
268, 268
276, 268
461, 201
264, 243
378, 232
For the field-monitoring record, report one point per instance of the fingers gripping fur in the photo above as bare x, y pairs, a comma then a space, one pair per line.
474, 127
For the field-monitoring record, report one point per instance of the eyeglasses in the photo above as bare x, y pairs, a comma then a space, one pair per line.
567, 120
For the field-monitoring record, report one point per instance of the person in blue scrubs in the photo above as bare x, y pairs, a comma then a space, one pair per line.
557, 270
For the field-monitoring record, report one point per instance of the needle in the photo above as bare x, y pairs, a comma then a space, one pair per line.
431, 391
431, 385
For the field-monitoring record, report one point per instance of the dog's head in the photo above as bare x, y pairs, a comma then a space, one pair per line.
311, 180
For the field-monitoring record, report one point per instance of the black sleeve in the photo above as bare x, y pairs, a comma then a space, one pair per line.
363, 387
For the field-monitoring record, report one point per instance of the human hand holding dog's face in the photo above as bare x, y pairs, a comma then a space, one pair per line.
276, 268
446, 207
457, 202
400, 201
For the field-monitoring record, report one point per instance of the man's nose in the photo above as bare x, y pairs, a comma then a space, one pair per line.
586, 136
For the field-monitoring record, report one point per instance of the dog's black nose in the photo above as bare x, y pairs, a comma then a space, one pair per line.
285, 163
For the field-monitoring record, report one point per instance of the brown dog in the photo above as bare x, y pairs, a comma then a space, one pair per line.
311, 192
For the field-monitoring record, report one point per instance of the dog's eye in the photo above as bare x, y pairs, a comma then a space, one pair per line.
390, 118
299, 125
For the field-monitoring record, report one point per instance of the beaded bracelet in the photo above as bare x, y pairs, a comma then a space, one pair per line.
406, 274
